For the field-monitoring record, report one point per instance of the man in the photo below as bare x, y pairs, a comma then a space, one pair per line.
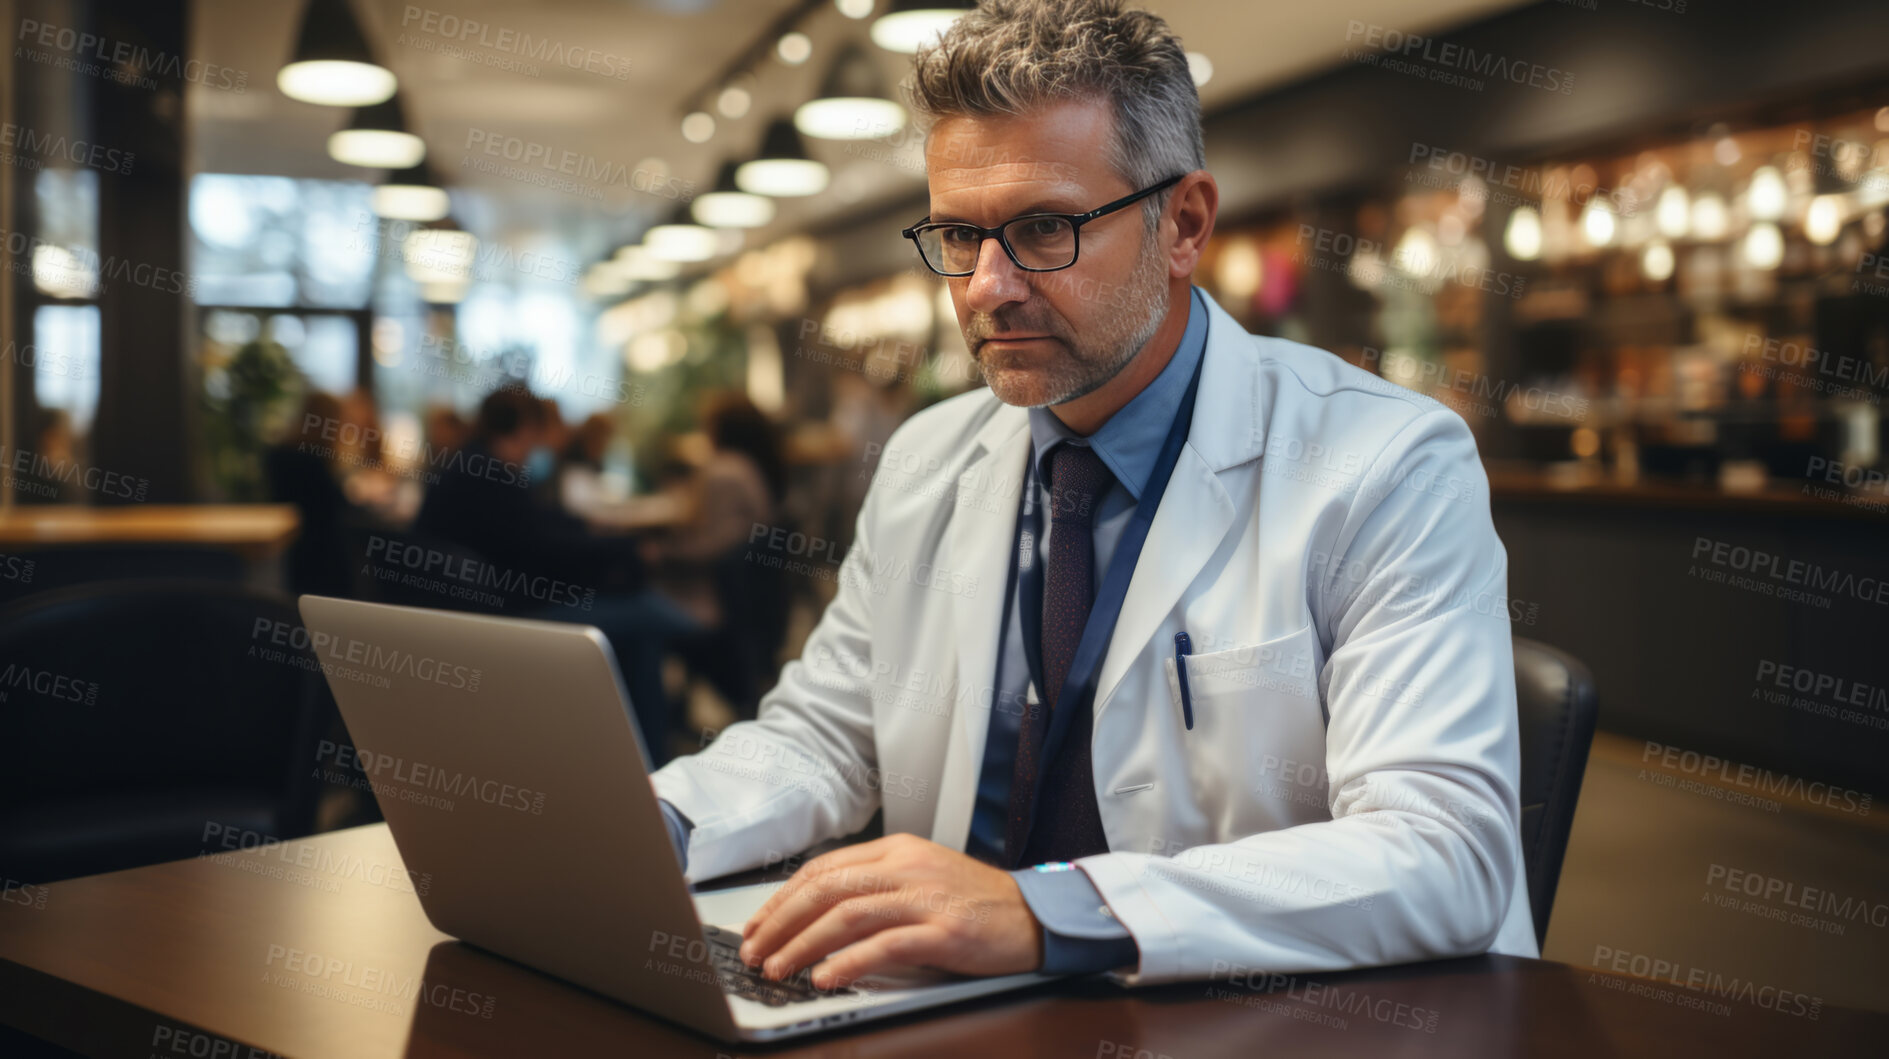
1287, 741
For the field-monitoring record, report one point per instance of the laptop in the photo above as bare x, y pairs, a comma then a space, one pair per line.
509, 768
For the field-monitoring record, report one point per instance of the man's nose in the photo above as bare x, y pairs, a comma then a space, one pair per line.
996, 281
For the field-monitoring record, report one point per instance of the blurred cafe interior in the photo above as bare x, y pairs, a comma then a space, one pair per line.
626, 312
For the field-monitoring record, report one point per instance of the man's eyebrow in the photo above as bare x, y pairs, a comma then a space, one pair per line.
1039, 206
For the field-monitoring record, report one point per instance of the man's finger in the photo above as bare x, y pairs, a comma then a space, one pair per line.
841, 925
808, 902
846, 856
917, 945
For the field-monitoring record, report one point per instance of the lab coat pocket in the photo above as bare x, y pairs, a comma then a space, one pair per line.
1257, 711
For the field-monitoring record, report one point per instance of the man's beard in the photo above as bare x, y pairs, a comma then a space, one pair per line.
1075, 369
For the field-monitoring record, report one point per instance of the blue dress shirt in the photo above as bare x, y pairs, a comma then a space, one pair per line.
1080, 934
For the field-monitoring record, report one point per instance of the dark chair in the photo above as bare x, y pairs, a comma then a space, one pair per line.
53, 568
1555, 697
135, 715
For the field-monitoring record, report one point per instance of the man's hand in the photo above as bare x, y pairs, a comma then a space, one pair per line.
906, 901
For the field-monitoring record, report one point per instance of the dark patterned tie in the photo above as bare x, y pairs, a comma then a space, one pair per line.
1070, 824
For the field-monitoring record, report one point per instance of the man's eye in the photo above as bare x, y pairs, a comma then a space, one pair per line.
1043, 227
957, 235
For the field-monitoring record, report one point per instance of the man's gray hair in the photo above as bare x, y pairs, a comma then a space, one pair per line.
1011, 56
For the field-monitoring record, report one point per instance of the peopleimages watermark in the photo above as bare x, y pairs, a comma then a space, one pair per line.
118, 60
465, 578
411, 780
1827, 365
1434, 375
351, 442
15, 892
1507, 184
1335, 251
81, 270
344, 653
1822, 694
1446, 63
179, 1040
1863, 480
483, 372
16, 568
1769, 574
303, 863
45, 361
1353, 1000
915, 472
560, 169
374, 234
1708, 982
56, 147
46, 684
27, 471
740, 753
1729, 781
447, 34
361, 985
1807, 906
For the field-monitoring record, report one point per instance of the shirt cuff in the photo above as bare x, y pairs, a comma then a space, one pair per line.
679, 828
1080, 934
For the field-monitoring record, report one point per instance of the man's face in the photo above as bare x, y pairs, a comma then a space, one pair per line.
1043, 338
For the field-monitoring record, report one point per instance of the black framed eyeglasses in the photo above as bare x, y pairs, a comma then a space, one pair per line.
1036, 242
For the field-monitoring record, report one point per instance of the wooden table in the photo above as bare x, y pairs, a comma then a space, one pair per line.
187, 958
254, 531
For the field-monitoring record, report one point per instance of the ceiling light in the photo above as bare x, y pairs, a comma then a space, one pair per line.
331, 64
794, 48
698, 126
1823, 220
913, 24
680, 239
854, 8
1709, 219
782, 168
377, 137
733, 101
729, 207
1766, 196
1199, 67
1764, 246
1522, 237
852, 103
1597, 222
1673, 213
1657, 261
635, 262
412, 195
439, 255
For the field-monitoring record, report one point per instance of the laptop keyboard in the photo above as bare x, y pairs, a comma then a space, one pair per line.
738, 979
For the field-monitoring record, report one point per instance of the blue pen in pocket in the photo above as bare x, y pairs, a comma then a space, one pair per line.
1182, 648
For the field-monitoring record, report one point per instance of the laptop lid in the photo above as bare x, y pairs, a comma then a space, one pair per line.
507, 764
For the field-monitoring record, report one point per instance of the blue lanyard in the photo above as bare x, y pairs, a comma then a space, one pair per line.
1079, 687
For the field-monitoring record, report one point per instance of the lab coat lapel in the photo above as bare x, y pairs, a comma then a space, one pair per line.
1195, 511
980, 541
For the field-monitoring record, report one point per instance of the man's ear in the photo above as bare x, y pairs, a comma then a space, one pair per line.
1195, 203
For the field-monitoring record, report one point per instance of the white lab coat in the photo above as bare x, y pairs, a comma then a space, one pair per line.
1348, 793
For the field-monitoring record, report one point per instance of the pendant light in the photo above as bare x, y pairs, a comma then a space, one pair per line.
912, 24
412, 194
782, 168
377, 137
680, 239
852, 103
729, 207
332, 65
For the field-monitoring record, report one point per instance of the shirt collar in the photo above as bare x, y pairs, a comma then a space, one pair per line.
1130, 440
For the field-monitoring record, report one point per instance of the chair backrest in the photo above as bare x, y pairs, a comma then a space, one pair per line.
153, 685
1556, 700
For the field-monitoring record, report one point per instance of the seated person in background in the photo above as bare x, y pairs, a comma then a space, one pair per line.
738, 487
304, 469
485, 501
